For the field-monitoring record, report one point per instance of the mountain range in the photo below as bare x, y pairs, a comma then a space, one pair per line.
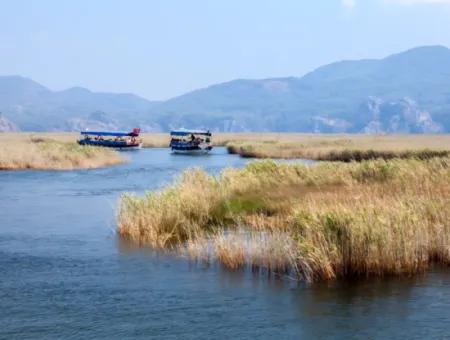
407, 92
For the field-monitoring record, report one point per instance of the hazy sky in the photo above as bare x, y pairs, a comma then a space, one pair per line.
160, 49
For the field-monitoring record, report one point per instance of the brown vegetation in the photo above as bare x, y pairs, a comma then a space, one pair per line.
321, 222
51, 151
293, 145
344, 148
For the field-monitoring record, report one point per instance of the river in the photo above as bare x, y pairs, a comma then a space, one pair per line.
64, 273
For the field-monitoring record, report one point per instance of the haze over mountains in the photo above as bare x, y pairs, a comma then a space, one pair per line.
407, 92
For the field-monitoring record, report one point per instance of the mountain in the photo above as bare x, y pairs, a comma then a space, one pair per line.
33, 107
405, 92
6, 125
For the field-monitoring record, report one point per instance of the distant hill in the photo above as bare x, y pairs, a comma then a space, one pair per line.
405, 92
33, 107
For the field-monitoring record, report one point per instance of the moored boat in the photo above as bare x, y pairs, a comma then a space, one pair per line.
112, 139
190, 141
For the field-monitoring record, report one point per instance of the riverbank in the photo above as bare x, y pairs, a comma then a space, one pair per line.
332, 147
343, 147
39, 151
292, 145
320, 222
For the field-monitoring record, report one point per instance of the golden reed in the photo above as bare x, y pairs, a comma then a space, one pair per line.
320, 222
39, 151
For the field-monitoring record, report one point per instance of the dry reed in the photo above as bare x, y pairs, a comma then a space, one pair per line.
39, 152
349, 148
280, 145
321, 222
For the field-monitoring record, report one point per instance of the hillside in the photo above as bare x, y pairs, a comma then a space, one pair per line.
32, 107
405, 92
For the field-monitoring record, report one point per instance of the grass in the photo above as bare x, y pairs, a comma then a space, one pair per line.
320, 222
43, 151
331, 147
344, 148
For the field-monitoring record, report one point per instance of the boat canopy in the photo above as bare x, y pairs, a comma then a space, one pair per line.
134, 133
189, 132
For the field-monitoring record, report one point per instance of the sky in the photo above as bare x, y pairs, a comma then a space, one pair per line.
161, 49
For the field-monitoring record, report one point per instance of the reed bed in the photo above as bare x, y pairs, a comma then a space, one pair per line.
38, 152
315, 146
280, 145
345, 148
27, 137
319, 222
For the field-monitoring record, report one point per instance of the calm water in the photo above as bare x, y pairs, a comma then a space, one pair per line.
64, 274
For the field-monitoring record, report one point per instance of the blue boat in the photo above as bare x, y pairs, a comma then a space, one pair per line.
190, 141
112, 139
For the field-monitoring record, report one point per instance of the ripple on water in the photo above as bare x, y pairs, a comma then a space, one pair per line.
64, 274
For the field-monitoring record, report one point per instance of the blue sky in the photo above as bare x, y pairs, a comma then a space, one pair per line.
160, 49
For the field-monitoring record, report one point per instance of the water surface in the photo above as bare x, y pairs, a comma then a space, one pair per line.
64, 273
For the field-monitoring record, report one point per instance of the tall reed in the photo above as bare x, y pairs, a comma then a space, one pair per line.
338, 150
45, 154
279, 145
321, 222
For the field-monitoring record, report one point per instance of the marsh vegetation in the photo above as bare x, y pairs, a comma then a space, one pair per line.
319, 222
51, 152
342, 147
288, 145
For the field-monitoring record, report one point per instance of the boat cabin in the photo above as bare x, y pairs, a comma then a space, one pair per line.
112, 139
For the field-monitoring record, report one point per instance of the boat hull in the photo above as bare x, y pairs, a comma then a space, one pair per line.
191, 150
120, 145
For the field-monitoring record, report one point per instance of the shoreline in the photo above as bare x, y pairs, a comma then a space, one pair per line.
318, 147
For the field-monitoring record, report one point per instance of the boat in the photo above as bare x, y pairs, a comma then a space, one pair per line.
190, 141
112, 139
